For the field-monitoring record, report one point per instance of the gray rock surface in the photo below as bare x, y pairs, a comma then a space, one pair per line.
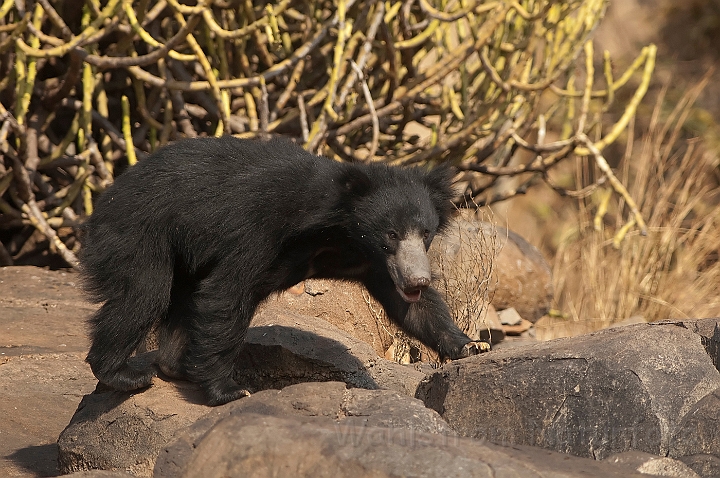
696, 439
310, 403
270, 446
594, 395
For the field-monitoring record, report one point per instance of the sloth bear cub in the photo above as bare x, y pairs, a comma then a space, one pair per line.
192, 239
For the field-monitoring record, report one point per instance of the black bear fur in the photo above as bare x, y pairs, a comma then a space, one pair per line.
192, 239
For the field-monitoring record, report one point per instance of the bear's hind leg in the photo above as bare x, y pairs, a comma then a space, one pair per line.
118, 328
134, 302
172, 332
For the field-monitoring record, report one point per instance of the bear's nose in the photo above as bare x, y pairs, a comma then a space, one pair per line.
420, 283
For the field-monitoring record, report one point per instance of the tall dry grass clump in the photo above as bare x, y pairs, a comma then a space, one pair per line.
464, 259
605, 273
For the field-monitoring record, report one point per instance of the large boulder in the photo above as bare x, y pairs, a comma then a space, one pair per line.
346, 305
251, 444
469, 249
283, 348
126, 432
643, 387
696, 439
310, 403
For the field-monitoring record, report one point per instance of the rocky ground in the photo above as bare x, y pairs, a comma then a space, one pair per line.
641, 398
329, 395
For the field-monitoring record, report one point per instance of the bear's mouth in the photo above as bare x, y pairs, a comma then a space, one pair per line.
412, 295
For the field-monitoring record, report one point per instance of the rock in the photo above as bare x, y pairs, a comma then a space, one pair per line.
120, 431
488, 327
42, 369
696, 440
37, 398
510, 316
268, 446
653, 465
709, 332
125, 431
42, 311
99, 474
594, 395
632, 320
707, 466
519, 329
523, 276
346, 305
512, 323
312, 403
283, 348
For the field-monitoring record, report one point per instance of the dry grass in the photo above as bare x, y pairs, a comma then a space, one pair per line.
674, 272
464, 259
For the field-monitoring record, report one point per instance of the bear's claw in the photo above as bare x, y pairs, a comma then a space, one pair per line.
476, 347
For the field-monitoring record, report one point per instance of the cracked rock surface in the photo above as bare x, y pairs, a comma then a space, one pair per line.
324, 429
647, 387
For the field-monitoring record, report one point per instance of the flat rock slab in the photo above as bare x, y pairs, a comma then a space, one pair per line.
637, 387
42, 370
38, 396
41, 311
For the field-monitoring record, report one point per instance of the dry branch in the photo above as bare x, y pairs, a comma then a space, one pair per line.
354, 80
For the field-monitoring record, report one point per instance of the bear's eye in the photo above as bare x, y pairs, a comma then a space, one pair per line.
393, 236
426, 234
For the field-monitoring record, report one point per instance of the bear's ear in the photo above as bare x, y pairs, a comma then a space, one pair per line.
354, 183
439, 182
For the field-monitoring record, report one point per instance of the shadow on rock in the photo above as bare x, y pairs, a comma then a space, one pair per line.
267, 362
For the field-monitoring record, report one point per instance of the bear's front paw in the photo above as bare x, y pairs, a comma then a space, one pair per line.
475, 348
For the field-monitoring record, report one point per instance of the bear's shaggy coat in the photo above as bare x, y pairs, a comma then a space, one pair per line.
193, 238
